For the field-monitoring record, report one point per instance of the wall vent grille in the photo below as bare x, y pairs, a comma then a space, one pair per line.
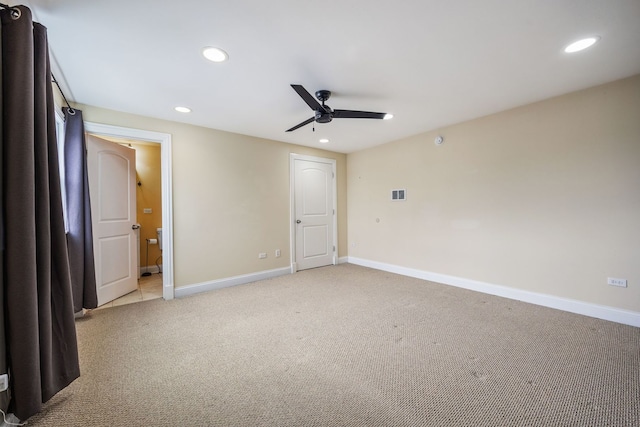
398, 195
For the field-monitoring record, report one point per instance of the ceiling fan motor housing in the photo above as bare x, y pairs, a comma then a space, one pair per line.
324, 116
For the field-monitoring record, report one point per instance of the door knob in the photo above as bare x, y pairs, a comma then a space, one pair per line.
298, 221
135, 226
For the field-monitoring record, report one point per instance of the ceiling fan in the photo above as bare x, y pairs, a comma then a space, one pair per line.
324, 114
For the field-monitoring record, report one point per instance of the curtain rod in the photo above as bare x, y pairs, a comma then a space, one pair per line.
15, 12
71, 110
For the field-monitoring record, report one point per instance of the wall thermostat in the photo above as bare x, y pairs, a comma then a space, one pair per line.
439, 140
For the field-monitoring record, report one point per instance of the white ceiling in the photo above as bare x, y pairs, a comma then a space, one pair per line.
429, 62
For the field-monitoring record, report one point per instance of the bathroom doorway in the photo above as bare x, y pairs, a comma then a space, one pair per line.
154, 208
148, 218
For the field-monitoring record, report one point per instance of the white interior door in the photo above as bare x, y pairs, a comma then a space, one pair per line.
112, 172
314, 212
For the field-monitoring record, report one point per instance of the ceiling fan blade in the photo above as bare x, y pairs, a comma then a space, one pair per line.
306, 122
351, 114
307, 97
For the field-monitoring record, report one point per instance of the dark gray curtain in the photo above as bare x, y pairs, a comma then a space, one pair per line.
39, 323
4, 396
79, 235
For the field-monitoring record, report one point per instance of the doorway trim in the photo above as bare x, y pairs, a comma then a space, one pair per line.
164, 139
292, 220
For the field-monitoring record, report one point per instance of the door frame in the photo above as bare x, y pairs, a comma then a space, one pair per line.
164, 139
292, 219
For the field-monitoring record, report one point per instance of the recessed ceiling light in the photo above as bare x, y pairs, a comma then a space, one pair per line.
581, 44
183, 109
324, 141
215, 54
388, 116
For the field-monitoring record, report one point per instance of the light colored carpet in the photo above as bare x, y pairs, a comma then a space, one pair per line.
349, 346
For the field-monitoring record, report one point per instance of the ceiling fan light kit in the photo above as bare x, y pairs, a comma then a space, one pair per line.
324, 114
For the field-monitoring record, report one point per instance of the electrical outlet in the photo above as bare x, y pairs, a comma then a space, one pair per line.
617, 282
4, 382
262, 255
278, 253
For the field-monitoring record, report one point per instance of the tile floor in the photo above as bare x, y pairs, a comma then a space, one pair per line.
149, 287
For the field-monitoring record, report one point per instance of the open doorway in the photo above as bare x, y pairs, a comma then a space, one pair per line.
129, 135
146, 186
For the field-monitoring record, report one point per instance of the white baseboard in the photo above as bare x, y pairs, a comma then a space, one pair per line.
196, 288
153, 269
343, 260
612, 314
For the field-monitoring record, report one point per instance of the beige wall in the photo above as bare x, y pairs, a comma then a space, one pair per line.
543, 198
230, 197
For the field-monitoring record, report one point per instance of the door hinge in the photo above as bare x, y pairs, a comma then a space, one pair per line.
334, 211
333, 175
334, 249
